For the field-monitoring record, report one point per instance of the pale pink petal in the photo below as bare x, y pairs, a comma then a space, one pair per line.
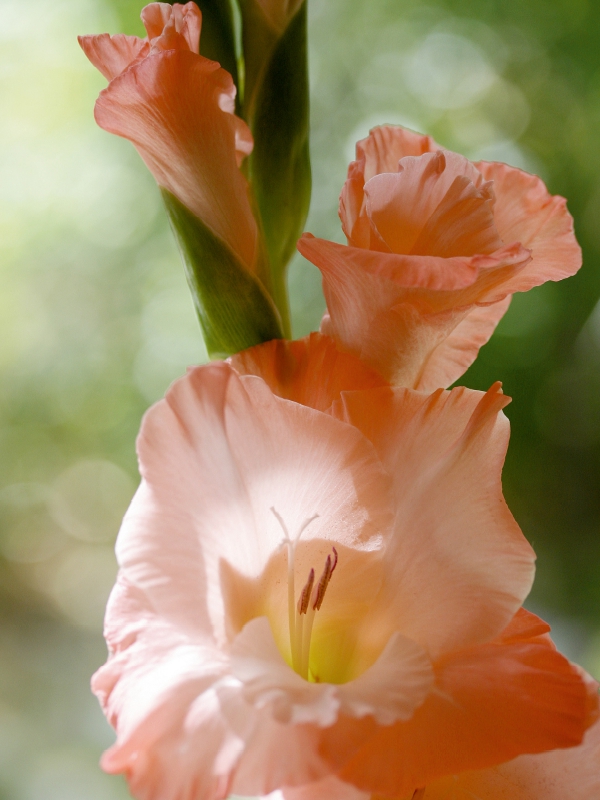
390, 690
275, 755
526, 212
393, 687
111, 55
311, 371
216, 456
572, 774
392, 311
169, 106
457, 351
491, 703
268, 682
458, 566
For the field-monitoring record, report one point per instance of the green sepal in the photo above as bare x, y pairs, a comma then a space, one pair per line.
234, 310
277, 109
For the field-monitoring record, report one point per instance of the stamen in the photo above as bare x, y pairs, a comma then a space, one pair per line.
321, 588
304, 598
294, 619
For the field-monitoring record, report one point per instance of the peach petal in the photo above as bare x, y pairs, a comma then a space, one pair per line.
331, 788
173, 27
311, 371
453, 533
491, 703
155, 16
380, 152
573, 773
526, 212
436, 204
458, 350
405, 195
189, 146
393, 311
112, 55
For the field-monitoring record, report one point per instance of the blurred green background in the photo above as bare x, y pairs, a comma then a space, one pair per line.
96, 319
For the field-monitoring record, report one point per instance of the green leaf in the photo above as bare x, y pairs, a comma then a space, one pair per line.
277, 108
234, 310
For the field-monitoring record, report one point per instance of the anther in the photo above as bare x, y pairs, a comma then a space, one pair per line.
319, 592
304, 598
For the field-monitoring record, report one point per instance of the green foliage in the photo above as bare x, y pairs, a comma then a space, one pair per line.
234, 310
277, 107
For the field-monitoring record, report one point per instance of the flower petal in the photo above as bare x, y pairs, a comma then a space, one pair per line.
435, 204
560, 774
491, 703
331, 788
455, 354
171, 106
380, 152
526, 212
173, 27
392, 311
268, 682
453, 533
111, 55
215, 457
390, 690
310, 371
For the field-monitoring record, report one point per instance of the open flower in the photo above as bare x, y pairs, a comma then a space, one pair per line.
324, 596
177, 108
436, 248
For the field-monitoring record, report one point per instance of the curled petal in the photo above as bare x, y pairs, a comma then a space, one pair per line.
393, 311
463, 237
112, 55
168, 106
173, 27
526, 212
436, 204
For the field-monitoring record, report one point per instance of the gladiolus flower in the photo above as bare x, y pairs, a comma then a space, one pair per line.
177, 108
436, 248
324, 596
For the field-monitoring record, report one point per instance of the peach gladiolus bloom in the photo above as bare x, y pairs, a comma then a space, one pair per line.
436, 248
308, 593
177, 107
